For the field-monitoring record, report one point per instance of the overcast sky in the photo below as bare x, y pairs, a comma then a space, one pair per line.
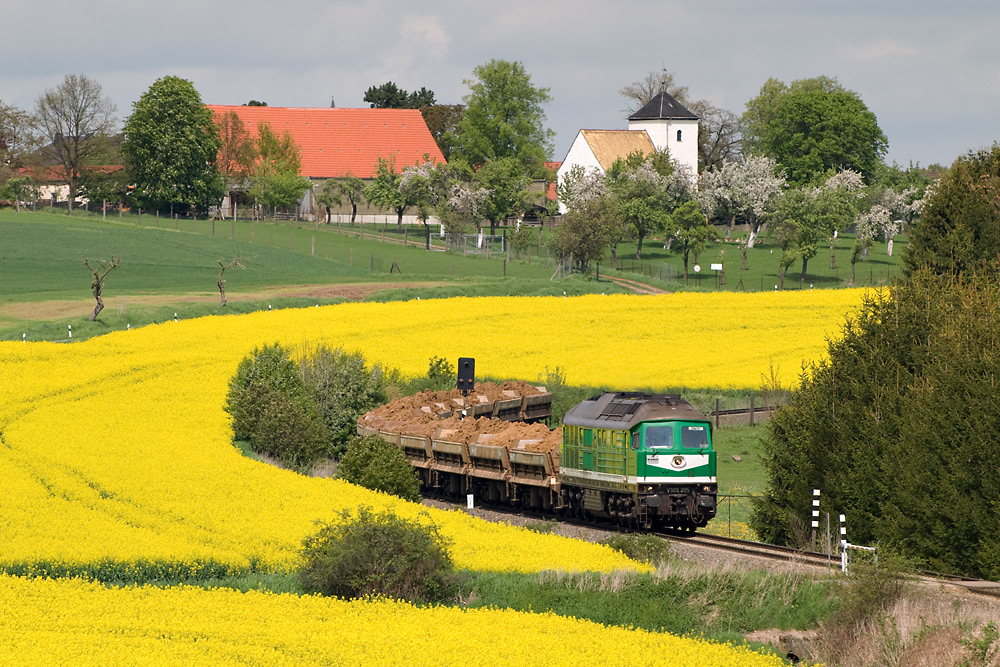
929, 70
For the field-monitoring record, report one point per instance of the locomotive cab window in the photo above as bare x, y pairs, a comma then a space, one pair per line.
694, 437
660, 436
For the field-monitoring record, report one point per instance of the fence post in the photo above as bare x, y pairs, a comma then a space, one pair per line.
751, 409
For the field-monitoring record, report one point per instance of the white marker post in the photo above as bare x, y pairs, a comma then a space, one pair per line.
469, 501
843, 544
815, 516
70, 330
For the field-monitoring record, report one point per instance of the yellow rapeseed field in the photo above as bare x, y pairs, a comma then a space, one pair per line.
115, 452
72, 622
117, 463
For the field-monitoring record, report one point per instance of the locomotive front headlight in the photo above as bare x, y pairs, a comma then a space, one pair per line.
677, 462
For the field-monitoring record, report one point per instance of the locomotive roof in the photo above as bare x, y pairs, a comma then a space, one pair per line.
623, 410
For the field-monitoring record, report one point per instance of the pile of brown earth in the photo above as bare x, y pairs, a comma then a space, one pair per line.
424, 415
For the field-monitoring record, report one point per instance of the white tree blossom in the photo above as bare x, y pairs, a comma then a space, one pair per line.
847, 179
468, 200
747, 188
579, 186
891, 211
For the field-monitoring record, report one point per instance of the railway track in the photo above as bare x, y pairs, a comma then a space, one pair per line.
811, 558
749, 548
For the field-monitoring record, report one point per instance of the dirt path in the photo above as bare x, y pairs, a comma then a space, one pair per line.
635, 286
62, 309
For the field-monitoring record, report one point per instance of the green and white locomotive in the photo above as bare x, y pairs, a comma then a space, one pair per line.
642, 460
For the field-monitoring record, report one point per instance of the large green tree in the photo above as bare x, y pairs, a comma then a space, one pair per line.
813, 127
504, 118
77, 119
897, 428
171, 146
959, 226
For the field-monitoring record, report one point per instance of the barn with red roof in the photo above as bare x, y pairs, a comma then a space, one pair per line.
337, 142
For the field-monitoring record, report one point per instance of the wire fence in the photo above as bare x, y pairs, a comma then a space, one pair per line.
732, 517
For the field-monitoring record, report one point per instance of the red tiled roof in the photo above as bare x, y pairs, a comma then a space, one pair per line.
337, 141
550, 192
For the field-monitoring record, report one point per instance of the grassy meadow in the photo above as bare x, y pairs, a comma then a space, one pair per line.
171, 266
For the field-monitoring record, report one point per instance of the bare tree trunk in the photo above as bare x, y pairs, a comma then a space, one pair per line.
754, 232
237, 263
100, 304
399, 219
98, 284
805, 261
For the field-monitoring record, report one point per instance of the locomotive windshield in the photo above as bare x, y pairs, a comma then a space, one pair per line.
660, 436
694, 437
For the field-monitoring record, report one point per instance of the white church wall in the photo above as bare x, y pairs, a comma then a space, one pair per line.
580, 154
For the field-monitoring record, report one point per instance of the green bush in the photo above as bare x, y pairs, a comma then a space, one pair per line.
378, 553
273, 410
646, 548
344, 388
267, 368
375, 464
290, 430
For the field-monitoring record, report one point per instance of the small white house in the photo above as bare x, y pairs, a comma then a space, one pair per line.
662, 123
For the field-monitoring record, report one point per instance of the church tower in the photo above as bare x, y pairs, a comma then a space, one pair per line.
672, 126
